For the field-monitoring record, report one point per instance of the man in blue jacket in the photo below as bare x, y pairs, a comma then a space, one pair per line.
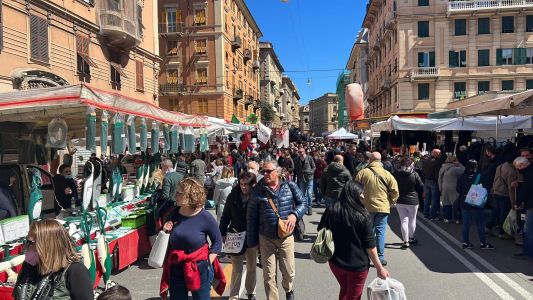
262, 227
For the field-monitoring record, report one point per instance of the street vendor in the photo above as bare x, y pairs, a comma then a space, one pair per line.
65, 189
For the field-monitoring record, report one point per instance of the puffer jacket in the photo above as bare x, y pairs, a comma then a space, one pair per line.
260, 215
335, 177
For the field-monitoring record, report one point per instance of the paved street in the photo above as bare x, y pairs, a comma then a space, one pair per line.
435, 269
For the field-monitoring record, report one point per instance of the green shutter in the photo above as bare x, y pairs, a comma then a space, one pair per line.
421, 59
521, 56
431, 58
452, 56
499, 57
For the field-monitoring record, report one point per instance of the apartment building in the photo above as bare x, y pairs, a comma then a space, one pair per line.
211, 58
323, 114
290, 102
426, 54
271, 80
304, 119
109, 44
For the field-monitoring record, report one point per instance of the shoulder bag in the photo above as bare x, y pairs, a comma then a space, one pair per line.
283, 229
323, 247
382, 180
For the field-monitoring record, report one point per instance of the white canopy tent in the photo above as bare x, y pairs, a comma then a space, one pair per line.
342, 134
514, 104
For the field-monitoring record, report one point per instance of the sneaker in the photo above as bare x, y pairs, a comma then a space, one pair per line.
458, 222
383, 262
290, 295
486, 246
467, 246
309, 212
413, 241
251, 297
446, 221
405, 245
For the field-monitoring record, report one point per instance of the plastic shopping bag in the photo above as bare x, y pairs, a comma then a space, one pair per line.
159, 250
388, 289
510, 224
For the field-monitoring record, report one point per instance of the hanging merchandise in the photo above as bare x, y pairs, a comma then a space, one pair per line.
103, 248
144, 133
57, 134
88, 186
174, 139
155, 137
118, 134
204, 145
132, 139
97, 180
36, 196
104, 133
116, 184
90, 130
87, 252
166, 136
188, 140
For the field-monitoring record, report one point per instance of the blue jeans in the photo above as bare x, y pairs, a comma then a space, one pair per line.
316, 191
178, 289
468, 215
380, 226
500, 209
307, 189
528, 233
432, 199
451, 212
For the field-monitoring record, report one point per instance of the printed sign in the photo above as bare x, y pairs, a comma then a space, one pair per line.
234, 242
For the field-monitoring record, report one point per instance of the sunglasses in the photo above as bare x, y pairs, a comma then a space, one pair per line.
266, 171
28, 243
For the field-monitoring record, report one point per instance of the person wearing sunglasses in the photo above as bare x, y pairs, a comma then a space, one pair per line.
274, 197
52, 268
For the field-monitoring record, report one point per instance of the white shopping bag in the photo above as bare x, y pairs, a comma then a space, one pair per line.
388, 289
234, 242
159, 250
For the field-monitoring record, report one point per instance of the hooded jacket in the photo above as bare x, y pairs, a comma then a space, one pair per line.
410, 187
260, 215
333, 180
223, 188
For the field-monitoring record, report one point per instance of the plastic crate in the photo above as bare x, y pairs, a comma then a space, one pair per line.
134, 220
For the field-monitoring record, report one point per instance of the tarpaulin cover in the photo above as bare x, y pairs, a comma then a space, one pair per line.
514, 104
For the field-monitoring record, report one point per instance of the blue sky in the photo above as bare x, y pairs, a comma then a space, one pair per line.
310, 35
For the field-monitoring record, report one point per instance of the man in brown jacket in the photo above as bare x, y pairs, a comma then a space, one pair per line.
504, 196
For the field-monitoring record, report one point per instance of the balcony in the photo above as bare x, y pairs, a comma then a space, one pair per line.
171, 29
237, 94
236, 43
247, 55
425, 72
171, 88
119, 23
256, 65
249, 101
484, 5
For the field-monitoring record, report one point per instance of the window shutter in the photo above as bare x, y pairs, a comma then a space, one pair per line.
420, 59
140, 75
34, 37
499, 57
432, 58
452, 57
43, 45
519, 56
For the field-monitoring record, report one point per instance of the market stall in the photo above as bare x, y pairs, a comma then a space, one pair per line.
342, 134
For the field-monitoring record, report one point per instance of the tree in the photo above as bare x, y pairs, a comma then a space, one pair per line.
267, 111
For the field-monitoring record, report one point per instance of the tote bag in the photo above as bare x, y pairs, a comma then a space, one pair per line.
477, 194
323, 247
159, 250
388, 289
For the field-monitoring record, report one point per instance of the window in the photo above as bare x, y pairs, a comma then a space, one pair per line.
116, 73
504, 56
483, 57
83, 61
529, 56
426, 59
423, 2
202, 106
200, 17
172, 48
460, 27
201, 76
507, 85
457, 59
423, 91
459, 90
171, 20
1, 29
39, 38
483, 26
529, 23
483, 87
200, 46
508, 24
139, 75
529, 84
423, 28
172, 76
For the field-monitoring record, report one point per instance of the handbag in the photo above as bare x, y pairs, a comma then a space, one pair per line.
387, 289
283, 228
323, 247
159, 250
477, 194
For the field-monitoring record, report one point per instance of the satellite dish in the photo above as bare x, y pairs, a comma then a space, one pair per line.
57, 134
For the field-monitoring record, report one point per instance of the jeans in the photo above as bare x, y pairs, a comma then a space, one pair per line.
316, 191
307, 189
452, 212
352, 283
432, 199
528, 233
500, 209
468, 214
178, 289
380, 226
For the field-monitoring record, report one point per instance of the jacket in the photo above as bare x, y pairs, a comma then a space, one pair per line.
223, 188
410, 187
505, 175
234, 215
191, 273
525, 190
304, 169
335, 177
260, 215
487, 176
350, 162
431, 168
63, 200
198, 170
376, 197
448, 175
170, 185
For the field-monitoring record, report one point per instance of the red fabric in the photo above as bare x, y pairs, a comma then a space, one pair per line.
6, 292
190, 269
230, 160
219, 281
246, 140
352, 283
15, 251
132, 246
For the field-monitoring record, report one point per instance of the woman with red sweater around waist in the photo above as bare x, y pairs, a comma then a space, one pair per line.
191, 264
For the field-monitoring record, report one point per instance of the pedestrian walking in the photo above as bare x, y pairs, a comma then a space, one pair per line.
223, 187
448, 175
304, 169
275, 198
353, 237
381, 191
411, 189
430, 170
525, 202
336, 175
198, 168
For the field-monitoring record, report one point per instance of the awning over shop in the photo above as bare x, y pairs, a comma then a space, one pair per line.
513, 104
218, 126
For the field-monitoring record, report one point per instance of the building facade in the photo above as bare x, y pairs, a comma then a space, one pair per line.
304, 119
357, 63
428, 53
290, 102
323, 114
271, 72
211, 58
109, 45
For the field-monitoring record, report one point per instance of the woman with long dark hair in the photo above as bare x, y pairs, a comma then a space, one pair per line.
354, 239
